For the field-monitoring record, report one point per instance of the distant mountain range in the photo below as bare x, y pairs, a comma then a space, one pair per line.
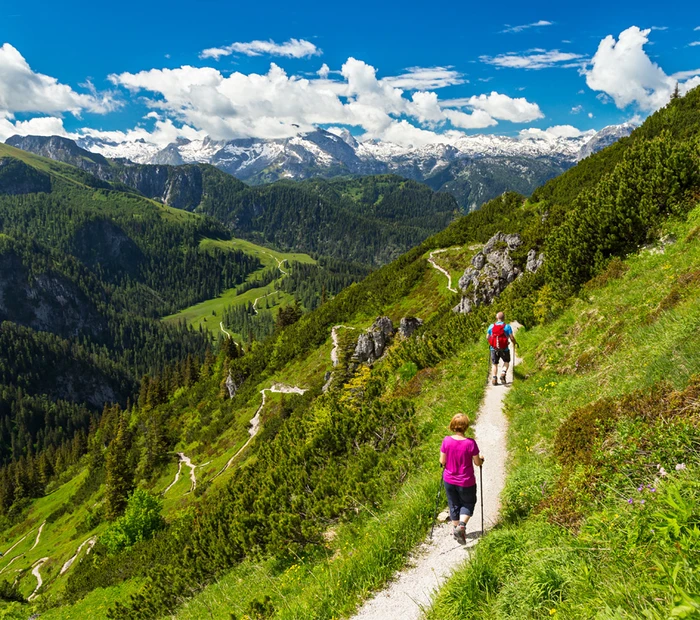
474, 168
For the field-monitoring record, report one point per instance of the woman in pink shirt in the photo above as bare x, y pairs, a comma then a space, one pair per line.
458, 456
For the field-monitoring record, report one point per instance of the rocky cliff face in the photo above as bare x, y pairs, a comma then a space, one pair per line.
177, 186
492, 270
45, 302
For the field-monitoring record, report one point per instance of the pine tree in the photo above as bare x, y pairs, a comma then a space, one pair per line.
120, 478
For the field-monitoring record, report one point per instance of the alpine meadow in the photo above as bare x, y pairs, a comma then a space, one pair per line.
302, 345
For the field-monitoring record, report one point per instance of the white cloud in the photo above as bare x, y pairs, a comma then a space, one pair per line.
278, 105
622, 70
40, 126
423, 78
506, 108
478, 119
551, 133
534, 59
541, 22
694, 43
25, 91
324, 71
294, 48
577, 109
590, 115
684, 75
660, 28
689, 85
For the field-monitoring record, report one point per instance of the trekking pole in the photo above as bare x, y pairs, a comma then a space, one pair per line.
481, 490
437, 505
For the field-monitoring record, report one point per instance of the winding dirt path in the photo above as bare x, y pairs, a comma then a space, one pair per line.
35, 571
276, 388
223, 329
279, 263
334, 338
90, 542
177, 477
431, 260
17, 543
38, 535
188, 462
17, 557
412, 590
257, 299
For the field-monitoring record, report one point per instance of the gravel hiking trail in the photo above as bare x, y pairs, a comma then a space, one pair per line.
431, 260
279, 263
38, 535
276, 388
334, 337
37, 574
90, 542
221, 326
411, 591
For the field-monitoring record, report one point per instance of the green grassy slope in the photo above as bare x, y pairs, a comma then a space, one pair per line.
599, 542
208, 314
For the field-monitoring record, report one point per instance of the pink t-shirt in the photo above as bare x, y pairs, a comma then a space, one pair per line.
459, 467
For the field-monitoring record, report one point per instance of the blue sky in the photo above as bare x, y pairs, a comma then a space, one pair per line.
497, 71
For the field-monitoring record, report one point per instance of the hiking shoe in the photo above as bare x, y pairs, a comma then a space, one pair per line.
503, 378
460, 534
494, 381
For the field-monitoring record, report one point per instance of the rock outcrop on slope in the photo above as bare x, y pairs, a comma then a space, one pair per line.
408, 325
372, 344
492, 270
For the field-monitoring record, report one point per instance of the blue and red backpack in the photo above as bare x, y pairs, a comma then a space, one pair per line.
498, 339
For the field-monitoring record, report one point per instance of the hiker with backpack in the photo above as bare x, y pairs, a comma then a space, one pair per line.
458, 456
499, 335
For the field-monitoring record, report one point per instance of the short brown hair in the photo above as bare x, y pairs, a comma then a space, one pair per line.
459, 423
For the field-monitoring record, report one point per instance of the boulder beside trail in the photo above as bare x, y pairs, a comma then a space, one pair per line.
492, 270
372, 344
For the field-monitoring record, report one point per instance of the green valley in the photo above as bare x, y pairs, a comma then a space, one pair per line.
295, 476
209, 314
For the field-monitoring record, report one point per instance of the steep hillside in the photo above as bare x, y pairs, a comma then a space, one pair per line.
369, 220
293, 478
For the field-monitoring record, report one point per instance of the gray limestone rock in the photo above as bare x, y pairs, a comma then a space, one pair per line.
372, 344
490, 272
478, 260
231, 386
534, 262
408, 325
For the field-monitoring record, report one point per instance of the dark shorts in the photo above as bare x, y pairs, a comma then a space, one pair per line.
500, 355
461, 500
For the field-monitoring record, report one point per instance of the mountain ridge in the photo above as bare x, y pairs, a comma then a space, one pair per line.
482, 166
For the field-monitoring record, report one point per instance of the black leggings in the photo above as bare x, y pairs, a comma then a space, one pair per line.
461, 500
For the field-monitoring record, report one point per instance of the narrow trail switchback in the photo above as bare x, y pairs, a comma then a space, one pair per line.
37, 574
413, 588
38, 535
90, 542
276, 388
223, 329
431, 260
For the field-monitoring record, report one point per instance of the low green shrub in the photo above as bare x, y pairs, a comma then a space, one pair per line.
140, 520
